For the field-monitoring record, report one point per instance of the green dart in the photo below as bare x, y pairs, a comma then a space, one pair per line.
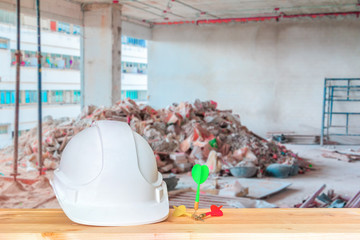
199, 174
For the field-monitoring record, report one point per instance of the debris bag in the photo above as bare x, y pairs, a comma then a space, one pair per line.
282, 170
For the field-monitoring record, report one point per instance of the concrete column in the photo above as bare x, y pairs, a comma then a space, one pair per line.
102, 54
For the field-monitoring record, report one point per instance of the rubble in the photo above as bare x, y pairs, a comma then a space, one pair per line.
171, 182
27, 194
234, 190
329, 200
180, 135
346, 156
213, 163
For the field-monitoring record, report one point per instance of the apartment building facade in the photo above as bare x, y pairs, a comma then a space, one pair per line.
61, 73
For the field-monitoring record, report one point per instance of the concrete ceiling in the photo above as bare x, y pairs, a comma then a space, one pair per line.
160, 11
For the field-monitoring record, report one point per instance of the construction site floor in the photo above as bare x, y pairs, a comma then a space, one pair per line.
338, 175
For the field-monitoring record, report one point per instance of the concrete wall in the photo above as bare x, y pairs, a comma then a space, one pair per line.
102, 54
135, 30
270, 73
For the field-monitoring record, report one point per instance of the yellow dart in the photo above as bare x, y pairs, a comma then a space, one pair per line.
180, 211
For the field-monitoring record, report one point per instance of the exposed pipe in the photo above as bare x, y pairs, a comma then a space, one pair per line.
256, 19
293, 8
141, 9
17, 88
39, 88
194, 8
141, 22
164, 11
227, 20
314, 15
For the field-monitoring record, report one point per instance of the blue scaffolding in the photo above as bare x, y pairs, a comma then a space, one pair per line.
338, 90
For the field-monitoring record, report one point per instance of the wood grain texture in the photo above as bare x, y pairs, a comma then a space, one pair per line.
304, 224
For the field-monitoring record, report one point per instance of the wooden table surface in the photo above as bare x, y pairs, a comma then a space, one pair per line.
304, 224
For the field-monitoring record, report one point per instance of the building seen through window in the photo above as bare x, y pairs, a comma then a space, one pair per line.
49, 60
134, 68
61, 61
7, 97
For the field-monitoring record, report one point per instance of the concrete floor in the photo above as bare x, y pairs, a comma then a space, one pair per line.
343, 177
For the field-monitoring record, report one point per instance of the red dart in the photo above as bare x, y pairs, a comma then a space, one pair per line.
215, 211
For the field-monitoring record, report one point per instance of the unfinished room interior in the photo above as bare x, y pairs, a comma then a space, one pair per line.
179, 119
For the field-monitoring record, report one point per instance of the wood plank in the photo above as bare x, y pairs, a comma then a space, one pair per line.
188, 198
235, 224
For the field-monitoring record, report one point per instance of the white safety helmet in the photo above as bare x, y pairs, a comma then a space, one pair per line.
108, 177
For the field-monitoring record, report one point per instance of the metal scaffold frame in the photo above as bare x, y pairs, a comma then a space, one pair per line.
18, 54
39, 125
17, 92
338, 90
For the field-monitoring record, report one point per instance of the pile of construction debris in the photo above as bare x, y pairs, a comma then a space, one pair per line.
329, 200
181, 135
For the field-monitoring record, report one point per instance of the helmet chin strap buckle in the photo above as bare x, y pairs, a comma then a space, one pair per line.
159, 193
